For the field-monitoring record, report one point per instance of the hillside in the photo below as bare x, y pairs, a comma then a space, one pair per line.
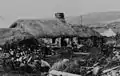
95, 19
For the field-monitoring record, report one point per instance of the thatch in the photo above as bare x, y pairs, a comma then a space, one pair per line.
11, 35
44, 28
83, 31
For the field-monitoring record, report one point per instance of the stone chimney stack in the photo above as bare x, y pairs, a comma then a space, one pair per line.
60, 17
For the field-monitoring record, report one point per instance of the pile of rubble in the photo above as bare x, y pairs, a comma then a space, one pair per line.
109, 66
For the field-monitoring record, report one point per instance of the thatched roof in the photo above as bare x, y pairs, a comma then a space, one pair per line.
83, 31
44, 28
11, 35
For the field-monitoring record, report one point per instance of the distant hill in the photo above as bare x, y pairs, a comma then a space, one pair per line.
97, 19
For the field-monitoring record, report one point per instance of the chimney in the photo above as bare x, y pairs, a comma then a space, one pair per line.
60, 17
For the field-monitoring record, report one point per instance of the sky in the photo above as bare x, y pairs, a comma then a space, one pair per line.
11, 10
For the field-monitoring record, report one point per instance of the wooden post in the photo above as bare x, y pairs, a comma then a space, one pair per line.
108, 70
60, 42
59, 73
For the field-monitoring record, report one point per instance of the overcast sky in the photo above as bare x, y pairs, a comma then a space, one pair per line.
10, 10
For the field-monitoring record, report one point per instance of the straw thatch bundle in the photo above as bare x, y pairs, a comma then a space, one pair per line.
66, 65
44, 28
60, 65
11, 35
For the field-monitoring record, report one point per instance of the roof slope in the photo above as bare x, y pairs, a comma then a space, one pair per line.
83, 31
11, 35
108, 33
44, 28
